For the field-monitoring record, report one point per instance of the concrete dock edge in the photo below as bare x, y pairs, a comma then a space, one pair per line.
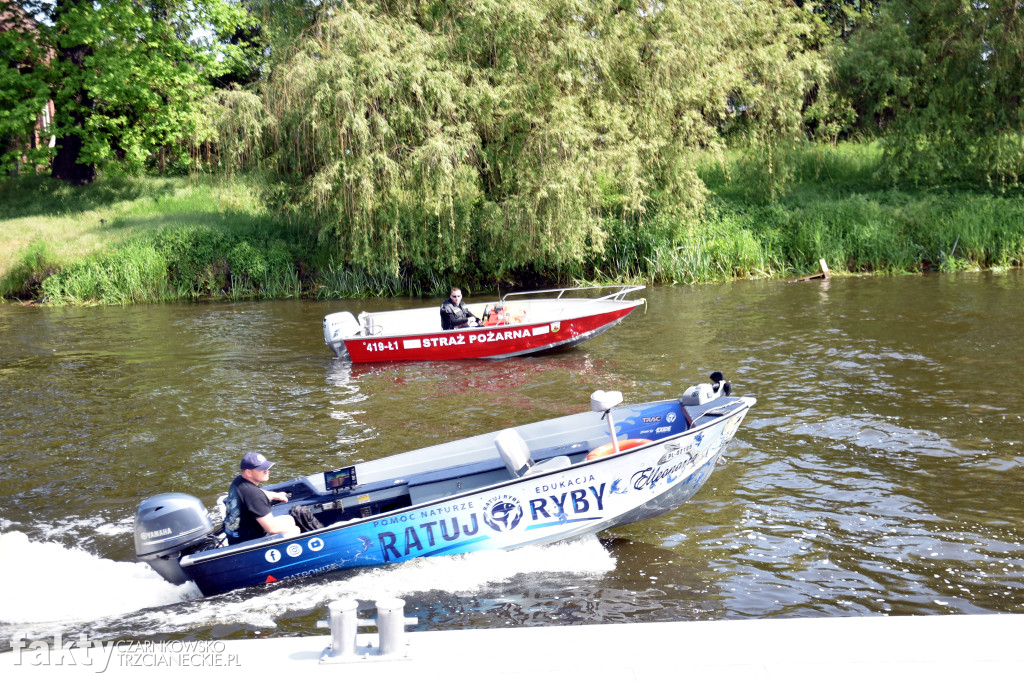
873, 648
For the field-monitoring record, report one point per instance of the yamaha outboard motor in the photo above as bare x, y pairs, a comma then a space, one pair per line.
168, 526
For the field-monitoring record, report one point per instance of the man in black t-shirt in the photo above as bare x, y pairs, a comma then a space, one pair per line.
247, 513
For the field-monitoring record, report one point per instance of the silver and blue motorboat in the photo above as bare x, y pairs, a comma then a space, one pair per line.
538, 483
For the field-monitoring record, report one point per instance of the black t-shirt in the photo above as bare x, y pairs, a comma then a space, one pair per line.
244, 505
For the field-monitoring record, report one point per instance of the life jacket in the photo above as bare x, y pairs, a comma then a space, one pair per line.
497, 316
500, 315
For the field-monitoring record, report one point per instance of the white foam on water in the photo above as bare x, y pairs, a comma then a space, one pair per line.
45, 582
77, 527
456, 574
47, 585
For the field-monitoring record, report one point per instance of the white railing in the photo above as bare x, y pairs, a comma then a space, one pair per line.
620, 291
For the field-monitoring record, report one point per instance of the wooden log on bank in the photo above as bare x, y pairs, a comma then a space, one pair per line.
823, 274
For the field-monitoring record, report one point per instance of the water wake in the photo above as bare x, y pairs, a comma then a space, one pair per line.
70, 589
453, 574
56, 584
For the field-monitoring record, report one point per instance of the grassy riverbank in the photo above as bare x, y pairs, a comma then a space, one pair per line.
123, 240
835, 207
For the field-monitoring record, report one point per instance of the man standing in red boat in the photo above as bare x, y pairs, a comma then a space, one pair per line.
247, 507
455, 314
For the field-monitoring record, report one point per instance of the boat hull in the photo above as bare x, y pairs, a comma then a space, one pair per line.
485, 342
546, 507
529, 323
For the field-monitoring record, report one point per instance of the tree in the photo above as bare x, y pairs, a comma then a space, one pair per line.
128, 78
439, 136
842, 16
72, 94
941, 82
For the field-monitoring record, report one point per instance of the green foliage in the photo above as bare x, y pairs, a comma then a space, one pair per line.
236, 130
340, 282
838, 210
31, 268
203, 262
783, 94
132, 273
128, 79
23, 94
494, 139
179, 263
842, 17
196, 259
280, 24
942, 81
214, 239
187, 242
253, 265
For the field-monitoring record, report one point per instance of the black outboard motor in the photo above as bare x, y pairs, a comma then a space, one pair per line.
168, 526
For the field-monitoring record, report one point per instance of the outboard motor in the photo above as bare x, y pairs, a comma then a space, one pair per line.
168, 526
337, 328
340, 325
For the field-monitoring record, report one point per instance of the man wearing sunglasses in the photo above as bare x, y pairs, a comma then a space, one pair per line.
454, 314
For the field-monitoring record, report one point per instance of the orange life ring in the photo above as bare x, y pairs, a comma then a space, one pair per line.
607, 449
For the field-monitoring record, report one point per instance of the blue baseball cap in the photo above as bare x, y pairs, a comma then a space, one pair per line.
255, 461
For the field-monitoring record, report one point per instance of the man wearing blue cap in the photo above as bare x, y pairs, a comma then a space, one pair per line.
248, 514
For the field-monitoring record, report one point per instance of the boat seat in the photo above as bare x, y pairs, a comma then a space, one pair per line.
514, 452
516, 455
550, 465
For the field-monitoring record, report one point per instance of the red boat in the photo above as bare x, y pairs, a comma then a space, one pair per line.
520, 323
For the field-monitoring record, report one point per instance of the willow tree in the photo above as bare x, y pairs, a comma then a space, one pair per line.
941, 82
440, 137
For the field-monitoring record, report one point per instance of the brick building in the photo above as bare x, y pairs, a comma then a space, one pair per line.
13, 18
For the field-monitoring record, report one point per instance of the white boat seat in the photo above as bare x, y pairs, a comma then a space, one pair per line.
516, 455
514, 452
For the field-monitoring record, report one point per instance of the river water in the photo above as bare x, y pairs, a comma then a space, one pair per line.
881, 471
